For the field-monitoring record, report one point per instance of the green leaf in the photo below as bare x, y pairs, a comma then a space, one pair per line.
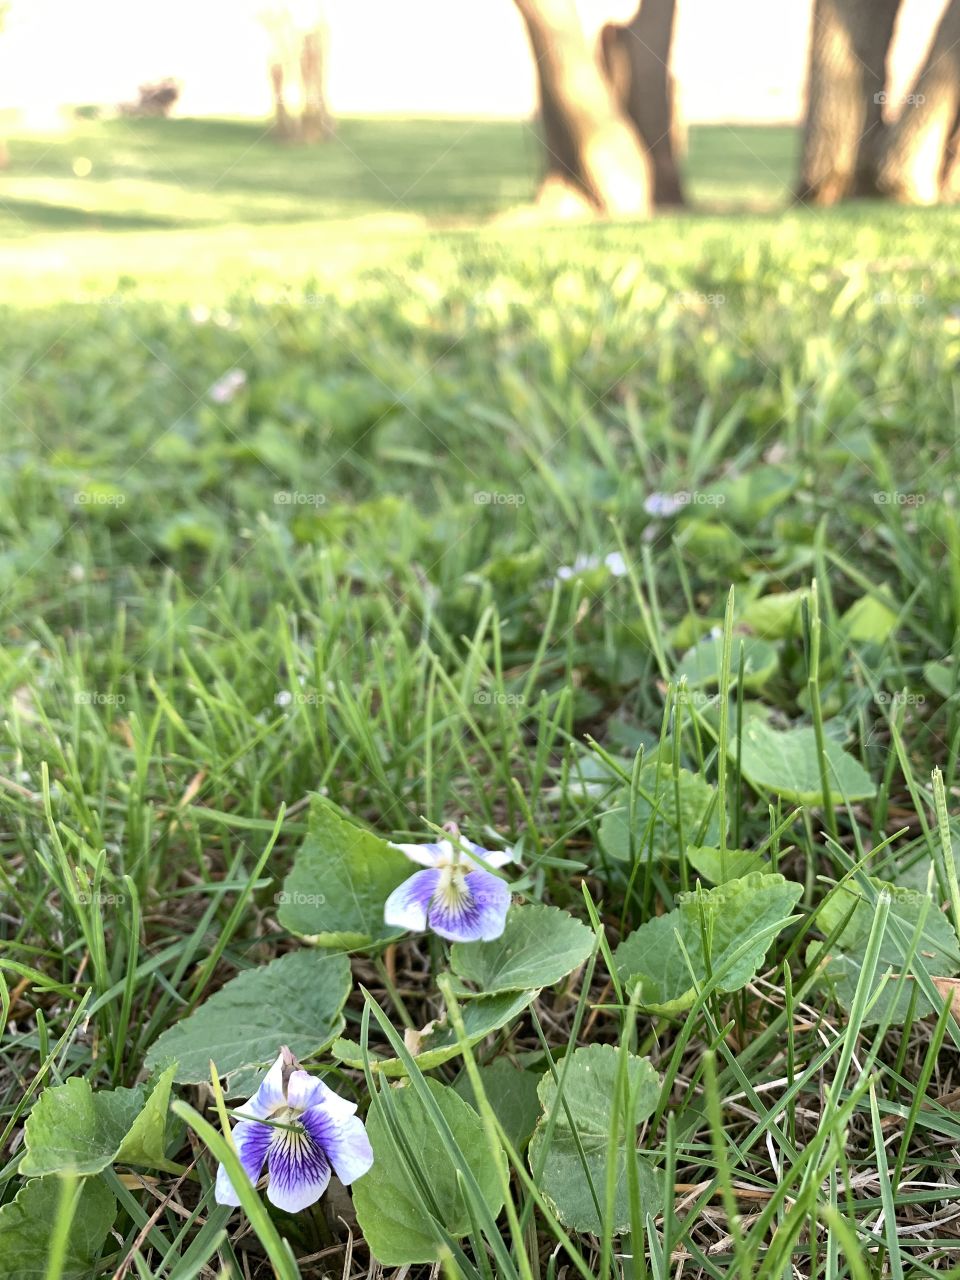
192, 530
390, 1207
661, 826
74, 1129
340, 880
940, 676
920, 873
660, 955
936, 952
869, 619
146, 1139
754, 494
775, 617
295, 1000
590, 1090
701, 664
785, 761
539, 946
714, 544
27, 1227
707, 862
512, 1093
439, 1044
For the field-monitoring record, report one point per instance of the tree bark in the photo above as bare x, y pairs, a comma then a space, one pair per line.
919, 160
317, 121
283, 127
950, 176
298, 73
590, 146
636, 57
846, 81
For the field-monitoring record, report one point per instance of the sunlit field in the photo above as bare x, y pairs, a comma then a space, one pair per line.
170, 203
342, 501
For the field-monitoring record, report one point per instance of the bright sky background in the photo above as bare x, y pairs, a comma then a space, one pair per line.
734, 59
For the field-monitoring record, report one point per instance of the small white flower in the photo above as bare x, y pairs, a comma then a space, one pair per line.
661, 504
226, 388
614, 562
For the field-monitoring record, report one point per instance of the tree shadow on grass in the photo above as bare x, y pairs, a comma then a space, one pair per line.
41, 215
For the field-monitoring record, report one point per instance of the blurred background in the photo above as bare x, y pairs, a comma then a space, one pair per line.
119, 116
739, 61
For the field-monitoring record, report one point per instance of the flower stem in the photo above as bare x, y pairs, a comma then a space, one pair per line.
393, 993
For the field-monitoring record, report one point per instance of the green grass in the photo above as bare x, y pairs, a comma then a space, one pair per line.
214, 205
434, 423
144, 175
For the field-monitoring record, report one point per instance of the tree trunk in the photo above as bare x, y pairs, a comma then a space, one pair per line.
283, 126
637, 60
317, 121
919, 161
950, 177
298, 45
590, 147
846, 81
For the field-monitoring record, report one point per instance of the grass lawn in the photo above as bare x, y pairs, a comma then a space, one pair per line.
336, 507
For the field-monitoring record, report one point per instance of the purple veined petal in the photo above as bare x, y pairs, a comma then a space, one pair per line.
471, 908
428, 855
407, 905
251, 1140
299, 1171
270, 1094
343, 1140
305, 1090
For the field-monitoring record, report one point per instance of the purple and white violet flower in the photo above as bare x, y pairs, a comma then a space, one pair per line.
298, 1128
456, 896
